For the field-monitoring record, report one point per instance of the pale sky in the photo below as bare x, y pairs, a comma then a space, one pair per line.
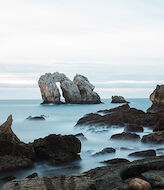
117, 44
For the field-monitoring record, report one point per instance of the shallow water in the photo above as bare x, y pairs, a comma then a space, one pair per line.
61, 119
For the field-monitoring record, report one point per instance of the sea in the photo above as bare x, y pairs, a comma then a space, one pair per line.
61, 119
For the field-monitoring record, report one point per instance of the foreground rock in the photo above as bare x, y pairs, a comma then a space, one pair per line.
156, 138
101, 178
118, 99
145, 153
14, 154
125, 136
121, 116
57, 149
78, 91
139, 184
157, 98
105, 151
116, 161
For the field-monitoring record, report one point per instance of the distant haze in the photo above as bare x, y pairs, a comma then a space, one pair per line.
117, 44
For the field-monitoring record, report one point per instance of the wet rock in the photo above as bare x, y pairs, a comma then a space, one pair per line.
127, 148
157, 98
156, 138
145, 153
159, 126
154, 177
41, 117
32, 175
139, 184
81, 136
105, 151
57, 149
120, 116
14, 154
101, 178
133, 128
126, 136
118, 99
78, 91
116, 161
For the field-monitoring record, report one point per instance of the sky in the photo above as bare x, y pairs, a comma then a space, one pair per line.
117, 44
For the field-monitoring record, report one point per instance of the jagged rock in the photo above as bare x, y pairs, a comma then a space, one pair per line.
32, 175
80, 91
57, 149
14, 154
101, 178
105, 151
118, 99
139, 184
133, 128
88, 96
156, 138
145, 153
125, 136
157, 98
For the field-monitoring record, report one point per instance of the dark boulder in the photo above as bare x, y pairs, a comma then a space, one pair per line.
133, 128
81, 136
57, 148
32, 175
145, 153
160, 125
36, 118
118, 99
155, 138
116, 161
125, 136
105, 151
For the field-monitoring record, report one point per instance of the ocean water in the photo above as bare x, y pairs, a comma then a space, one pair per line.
61, 119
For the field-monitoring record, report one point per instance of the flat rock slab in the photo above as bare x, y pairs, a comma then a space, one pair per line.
154, 177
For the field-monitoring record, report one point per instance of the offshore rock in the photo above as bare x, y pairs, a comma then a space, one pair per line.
118, 99
78, 91
157, 98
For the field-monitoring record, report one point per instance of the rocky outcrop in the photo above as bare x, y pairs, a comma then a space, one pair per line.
105, 151
101, 178
57, 149
78, 91
144, 153
121, 116
157, 98
155, 138
14, 154
118, 99
116, 161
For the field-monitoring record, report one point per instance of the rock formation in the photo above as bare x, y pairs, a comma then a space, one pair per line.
80, 91
101, 178
118, 99
157, 98
14, 154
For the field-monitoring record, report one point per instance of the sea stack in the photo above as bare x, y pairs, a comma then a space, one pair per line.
157, 98
78, 91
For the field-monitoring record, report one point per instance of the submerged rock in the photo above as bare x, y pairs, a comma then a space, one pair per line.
118, 99
133, 128
157, 98
14, 154
105, 151
41, 117
57, 149
145, 153
116, 161
78, 91
101, 178
125, 136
